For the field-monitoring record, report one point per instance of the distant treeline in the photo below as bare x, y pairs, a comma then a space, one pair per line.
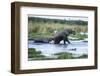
64, 21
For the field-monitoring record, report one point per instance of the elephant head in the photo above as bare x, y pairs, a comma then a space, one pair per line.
68, 32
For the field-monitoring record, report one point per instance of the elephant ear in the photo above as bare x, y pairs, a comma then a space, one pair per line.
71, 31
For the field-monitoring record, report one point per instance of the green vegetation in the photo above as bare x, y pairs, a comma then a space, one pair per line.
83, 56
64, 21
44, 28
79, 36
32, 53
64, 55
37, 55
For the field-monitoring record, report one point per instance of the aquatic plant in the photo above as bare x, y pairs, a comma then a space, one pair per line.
32, 53
64, 55
83, 56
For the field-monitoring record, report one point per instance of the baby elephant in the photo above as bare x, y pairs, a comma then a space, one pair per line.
63, 36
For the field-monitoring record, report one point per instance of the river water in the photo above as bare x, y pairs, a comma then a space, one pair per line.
76, 47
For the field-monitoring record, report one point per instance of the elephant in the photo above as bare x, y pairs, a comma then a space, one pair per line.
63, 35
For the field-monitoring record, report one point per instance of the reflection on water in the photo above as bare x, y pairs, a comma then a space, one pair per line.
48, 49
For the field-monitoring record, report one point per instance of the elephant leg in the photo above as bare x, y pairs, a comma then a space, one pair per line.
67, 40
64, 41
57, 39
56, 42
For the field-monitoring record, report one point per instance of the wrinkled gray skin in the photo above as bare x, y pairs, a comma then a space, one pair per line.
63, 36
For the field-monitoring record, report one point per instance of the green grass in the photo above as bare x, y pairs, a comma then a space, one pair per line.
83, 56
46, 30
64, 55
78, 36
32, 53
